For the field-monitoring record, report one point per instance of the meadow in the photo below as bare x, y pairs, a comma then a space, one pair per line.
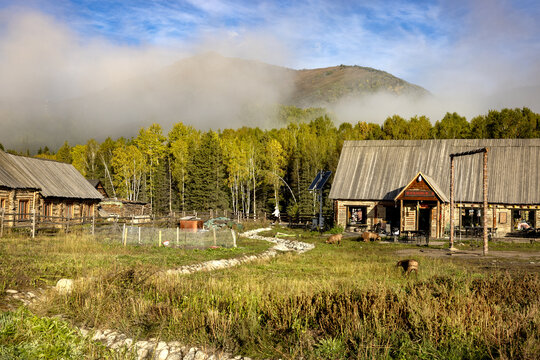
333, 302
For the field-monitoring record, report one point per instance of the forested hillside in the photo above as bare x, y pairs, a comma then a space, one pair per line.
248, 169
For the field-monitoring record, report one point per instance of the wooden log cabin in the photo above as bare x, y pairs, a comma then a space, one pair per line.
405, 185
48, 188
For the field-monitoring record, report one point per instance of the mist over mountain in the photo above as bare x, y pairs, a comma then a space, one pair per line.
206, 91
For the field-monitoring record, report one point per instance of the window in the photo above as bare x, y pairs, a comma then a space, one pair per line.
523, 219
2, 205
357, 215
24, 209
69, 211
471, 217
47, 209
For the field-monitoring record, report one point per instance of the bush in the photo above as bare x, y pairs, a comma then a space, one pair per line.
336, 230
26, 336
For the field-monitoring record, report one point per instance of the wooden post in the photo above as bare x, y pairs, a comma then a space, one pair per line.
34, 216
451, 202
124, 234
2, 222
177, 236
214, 232
160, 238
67, 225
34, 222
233, 237
139, 235
93, 224
401, 220
485, 190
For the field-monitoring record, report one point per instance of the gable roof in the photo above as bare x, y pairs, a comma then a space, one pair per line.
51, 178
94, 182
11, 175
379, 169
431, 183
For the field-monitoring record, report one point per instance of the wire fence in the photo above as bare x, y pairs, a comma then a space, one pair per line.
163, 236
135, 230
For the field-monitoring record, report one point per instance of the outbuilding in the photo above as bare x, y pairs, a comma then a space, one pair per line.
49, 189
405, 185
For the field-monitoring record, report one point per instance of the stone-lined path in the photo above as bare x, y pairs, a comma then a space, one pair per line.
161, 350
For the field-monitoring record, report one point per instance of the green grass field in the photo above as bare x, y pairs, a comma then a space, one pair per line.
333, 302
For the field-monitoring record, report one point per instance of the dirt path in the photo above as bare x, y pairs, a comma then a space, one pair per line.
503, 260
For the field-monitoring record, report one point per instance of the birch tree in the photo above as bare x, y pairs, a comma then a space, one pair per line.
151, 144
129, 166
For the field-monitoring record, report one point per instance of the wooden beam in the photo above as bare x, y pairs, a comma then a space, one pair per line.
451, 202
485, 190
472, 152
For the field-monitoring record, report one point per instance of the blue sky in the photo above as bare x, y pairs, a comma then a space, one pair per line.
397, 36
451, 47
472, 55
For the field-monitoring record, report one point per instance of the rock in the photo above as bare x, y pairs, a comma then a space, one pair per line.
163, 354
200, 355
110, 340
98, 335
116, 345
191, 354
141, 344
10, 291
64, 286
142, 353
175, 356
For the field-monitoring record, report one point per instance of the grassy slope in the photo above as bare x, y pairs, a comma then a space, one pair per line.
44, 260
327, 85
332, 302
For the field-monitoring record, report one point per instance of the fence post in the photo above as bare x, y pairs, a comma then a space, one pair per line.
124, 234
214, 232
139, 235
233, 237
159, 237
2, 223
177, 236
67, 224
33, 223
93, 223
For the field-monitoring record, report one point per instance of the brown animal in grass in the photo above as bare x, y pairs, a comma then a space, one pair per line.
408, 266
370, 236
334, 239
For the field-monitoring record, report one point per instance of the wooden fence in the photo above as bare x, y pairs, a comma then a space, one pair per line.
34, 223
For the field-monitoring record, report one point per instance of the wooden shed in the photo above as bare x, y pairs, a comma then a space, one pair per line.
43, 187
405, 184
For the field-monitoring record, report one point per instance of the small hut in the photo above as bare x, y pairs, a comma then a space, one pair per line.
43, 187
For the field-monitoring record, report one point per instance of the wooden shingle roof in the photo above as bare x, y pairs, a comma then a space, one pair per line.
51, 178
379, 169
11, 175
